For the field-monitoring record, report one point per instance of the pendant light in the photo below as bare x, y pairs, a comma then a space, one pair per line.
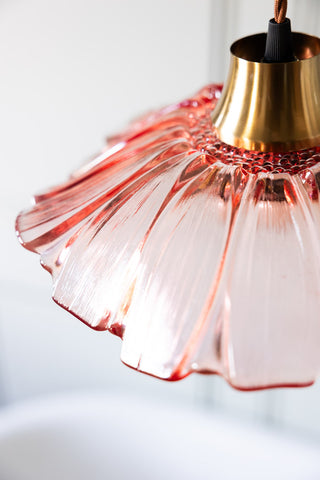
195, 236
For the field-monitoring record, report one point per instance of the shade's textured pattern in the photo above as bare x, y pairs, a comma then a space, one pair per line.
200, 256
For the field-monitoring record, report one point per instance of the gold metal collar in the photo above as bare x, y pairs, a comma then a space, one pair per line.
271, 106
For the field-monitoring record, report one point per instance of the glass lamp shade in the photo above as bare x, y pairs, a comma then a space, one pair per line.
201, 256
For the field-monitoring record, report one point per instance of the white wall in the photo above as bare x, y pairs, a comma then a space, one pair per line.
71, 72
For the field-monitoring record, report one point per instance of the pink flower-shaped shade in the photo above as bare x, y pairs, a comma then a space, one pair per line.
202, 257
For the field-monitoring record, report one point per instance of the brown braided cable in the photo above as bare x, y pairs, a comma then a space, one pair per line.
280, 10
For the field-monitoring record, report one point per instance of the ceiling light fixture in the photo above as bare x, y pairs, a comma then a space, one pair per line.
195, 236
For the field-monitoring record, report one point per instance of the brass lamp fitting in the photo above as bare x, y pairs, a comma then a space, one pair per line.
271, 106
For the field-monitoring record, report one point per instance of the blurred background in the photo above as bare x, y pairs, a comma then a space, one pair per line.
71, 73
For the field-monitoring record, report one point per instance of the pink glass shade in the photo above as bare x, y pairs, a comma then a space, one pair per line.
202, 257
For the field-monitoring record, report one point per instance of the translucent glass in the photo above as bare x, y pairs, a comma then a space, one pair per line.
200, 256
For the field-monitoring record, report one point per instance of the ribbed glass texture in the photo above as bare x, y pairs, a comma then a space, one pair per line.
202, 257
